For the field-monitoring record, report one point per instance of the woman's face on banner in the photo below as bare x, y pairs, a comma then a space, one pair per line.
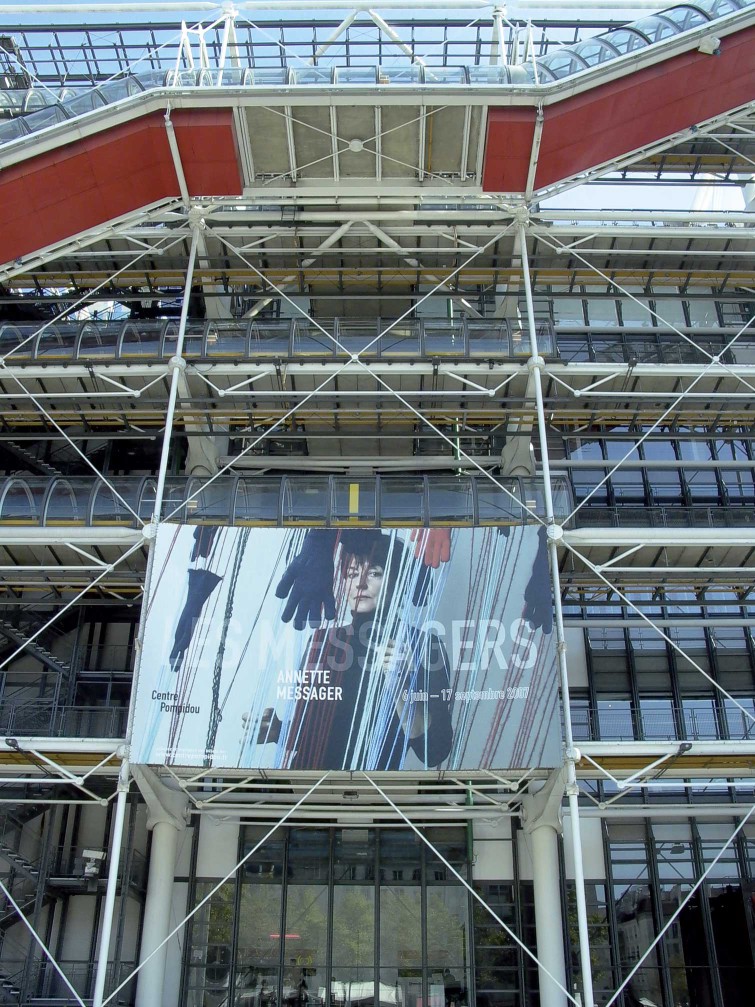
364, 582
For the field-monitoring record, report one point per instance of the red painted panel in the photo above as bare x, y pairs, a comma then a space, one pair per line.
209, 152
614, 119
507, 149
642, 108
88, 182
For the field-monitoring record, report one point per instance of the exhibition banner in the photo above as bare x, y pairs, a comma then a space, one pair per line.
354, 648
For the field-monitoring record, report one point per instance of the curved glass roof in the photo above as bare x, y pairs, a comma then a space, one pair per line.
33, 109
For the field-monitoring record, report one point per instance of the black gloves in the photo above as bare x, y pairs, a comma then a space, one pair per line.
201, 585
204, 538
308, 581
538, 601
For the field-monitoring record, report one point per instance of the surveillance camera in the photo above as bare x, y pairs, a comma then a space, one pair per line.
710, 45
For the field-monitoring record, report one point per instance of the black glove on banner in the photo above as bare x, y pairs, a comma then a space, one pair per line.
538, 603
308, 581
204, 537
201, 585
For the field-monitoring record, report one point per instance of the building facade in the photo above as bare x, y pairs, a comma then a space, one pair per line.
348, 269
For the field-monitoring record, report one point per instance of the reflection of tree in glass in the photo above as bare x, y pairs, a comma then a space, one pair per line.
259, 925
597, 922
494, 948
212, 928
353, 927
306, 915
400, 925
446, 926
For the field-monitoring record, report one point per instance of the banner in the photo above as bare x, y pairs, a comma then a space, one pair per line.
355, 649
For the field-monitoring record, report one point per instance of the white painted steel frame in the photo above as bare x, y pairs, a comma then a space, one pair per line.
555, 533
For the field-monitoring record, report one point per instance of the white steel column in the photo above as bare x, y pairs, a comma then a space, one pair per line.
112, 885
542, 825
167, 819
176, 365
571, 755
162, 868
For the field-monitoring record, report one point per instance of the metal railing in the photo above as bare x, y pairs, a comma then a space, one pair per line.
661, 720
47, 720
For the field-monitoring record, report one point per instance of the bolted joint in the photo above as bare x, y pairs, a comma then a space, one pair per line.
572, 754
149, 531
195, 216
521, 215
535, 364
176, 364
554, 532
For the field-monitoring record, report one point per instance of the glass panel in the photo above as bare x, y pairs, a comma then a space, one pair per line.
99, 339
602, 311
403, 339
354, 336
310, 339
451, 500
68, 502
142, 339
227, 339
498, 504
211, 946
700, 721
615, 720
488, 338
257, 500
443, 336
305, 950
400, 928
353, 501
401, 500
702, 313
305, 498
270, 338
58, 341
353, 934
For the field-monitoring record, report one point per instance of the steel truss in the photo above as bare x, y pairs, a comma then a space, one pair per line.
550, 246
645, 776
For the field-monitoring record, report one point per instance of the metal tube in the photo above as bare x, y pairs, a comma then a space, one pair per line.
116, 841
176, 365
334, 35
570, 756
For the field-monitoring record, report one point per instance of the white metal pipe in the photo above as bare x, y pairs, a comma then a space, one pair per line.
334, 35
183, 188
116, 841
100, 535
176, 363
570, 760
331, 240
677, 537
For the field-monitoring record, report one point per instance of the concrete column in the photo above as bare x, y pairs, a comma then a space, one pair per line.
541, 818
162, 868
